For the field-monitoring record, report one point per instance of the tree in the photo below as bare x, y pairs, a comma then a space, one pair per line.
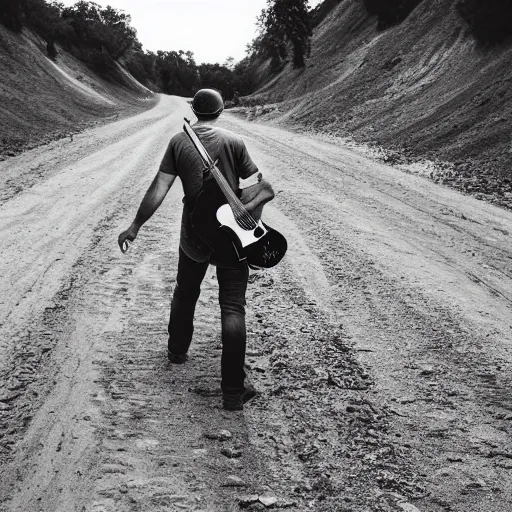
390, 12
176, 74
285, 22
96, 35
11, 14
118, 35
229, 63
244, 79
218, 77
104, 29
490, 21
101, 35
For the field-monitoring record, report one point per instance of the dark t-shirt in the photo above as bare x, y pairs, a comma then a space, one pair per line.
181, 159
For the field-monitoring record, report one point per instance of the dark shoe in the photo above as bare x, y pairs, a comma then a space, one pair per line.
177, 358
235, 401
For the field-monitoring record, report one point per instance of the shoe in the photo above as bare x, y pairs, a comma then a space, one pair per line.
235, 401
177, 358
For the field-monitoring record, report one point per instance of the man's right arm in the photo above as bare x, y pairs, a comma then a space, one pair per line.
148, 206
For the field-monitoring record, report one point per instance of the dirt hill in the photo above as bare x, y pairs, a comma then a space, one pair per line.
41, 99
423, 89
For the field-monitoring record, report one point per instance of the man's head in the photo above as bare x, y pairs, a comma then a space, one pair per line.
207, 104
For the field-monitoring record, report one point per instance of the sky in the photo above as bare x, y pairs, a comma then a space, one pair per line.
212, 29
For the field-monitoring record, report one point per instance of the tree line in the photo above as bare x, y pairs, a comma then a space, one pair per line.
97, 35
176, 72
101, 36
285, 29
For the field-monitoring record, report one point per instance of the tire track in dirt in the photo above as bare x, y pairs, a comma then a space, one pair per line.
441, 360
353, 172
119, 428
306, 266
34, 325
130, 427
414, 241
370, 374
323, 414
20, 173
45, 229
452, 390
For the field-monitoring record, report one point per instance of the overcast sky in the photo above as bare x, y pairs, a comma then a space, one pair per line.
212, 29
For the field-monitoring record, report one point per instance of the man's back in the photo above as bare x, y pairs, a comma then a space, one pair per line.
181, 159
228, 148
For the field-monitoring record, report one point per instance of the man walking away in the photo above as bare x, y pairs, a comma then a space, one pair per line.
181, 159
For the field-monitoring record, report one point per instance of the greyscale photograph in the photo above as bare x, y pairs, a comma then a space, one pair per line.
256, 255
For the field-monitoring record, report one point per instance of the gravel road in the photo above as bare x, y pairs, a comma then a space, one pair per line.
381, 345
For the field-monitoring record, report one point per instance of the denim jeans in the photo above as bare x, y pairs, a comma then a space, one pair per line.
232, 288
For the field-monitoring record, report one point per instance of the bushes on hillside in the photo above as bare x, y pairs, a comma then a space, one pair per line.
94, 34
92, 27
244, 77
99, 36
41, 17
321, 11
11, 14
142, 66
284, 23
45, 20
489, 20
390, 12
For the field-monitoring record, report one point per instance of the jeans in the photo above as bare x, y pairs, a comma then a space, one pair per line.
232, 288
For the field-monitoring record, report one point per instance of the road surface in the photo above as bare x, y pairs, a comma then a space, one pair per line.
381, 345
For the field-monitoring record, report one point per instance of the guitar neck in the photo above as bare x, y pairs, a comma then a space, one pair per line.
228, 192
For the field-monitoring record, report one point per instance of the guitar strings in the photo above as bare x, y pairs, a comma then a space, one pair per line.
242, 216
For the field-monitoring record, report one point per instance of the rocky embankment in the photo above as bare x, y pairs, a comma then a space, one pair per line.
420, 94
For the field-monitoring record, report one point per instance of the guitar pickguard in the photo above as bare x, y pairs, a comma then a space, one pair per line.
226, 218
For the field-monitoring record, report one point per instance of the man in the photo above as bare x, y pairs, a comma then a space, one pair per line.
181, 159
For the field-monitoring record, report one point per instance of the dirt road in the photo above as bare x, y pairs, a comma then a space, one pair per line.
381, 345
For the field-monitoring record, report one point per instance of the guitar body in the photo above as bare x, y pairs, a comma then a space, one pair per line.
214, 222
268, 251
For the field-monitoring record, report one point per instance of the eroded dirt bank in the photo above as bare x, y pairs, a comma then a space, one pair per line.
43, 100
381, 345
421, 90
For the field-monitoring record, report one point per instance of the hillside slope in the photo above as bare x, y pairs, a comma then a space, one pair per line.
423, 88
41, 100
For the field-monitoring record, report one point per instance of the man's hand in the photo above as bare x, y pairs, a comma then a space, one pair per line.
254, 197
129, 235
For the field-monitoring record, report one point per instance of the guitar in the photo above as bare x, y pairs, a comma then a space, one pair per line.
228, 228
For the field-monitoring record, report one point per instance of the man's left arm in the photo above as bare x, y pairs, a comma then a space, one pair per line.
255, 196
